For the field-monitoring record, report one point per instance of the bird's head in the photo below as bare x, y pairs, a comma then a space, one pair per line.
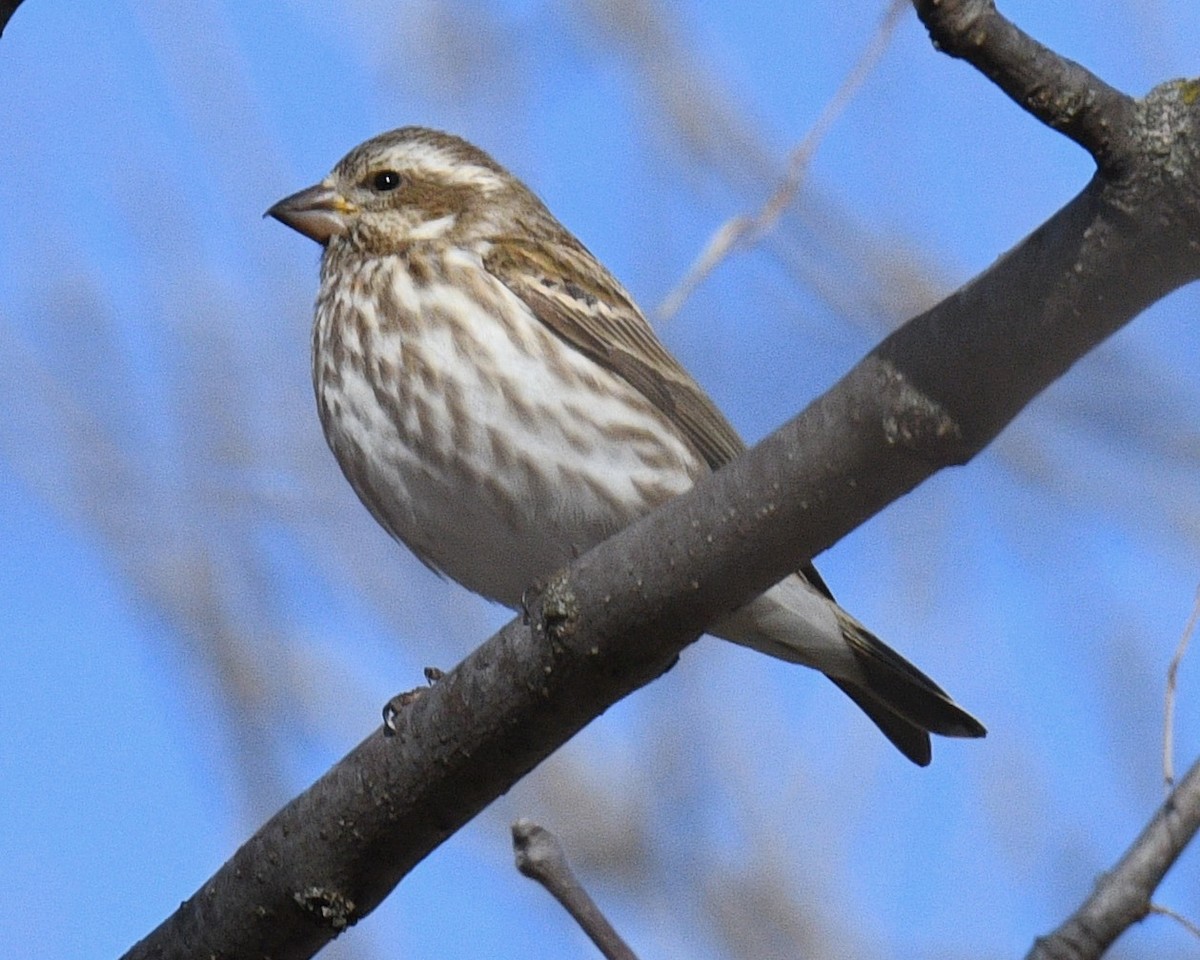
412, 185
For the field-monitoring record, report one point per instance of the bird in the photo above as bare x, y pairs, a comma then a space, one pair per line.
500, 404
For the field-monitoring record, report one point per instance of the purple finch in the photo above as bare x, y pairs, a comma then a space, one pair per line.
499, 403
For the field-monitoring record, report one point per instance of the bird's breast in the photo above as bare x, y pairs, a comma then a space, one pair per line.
472, 432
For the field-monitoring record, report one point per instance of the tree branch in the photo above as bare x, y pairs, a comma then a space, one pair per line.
1168, 743
540, 857
7, 9
1122, 896
931, 395
1058, 91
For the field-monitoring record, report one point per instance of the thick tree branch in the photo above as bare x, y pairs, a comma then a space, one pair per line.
931, 395
1122, 896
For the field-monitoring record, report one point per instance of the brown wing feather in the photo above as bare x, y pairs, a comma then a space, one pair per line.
575, 297
568, 290
581, 302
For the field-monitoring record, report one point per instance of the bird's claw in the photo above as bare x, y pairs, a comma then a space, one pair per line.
397, 705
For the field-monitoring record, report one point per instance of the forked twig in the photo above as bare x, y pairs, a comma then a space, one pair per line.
747, 228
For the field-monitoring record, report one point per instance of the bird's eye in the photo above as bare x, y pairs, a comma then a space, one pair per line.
385, 180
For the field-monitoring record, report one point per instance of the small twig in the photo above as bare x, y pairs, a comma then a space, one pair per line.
1179, 918
746, 229
1168, 759
1057, 91
540, 856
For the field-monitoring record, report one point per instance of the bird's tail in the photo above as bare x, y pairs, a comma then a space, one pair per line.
900, 700
798, 620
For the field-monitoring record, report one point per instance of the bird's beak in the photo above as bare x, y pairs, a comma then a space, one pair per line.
319, 212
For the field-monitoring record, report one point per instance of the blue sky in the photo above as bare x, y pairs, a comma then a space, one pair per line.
198, 618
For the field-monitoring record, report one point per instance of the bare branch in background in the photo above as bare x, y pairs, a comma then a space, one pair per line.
173, 563
540, 857
1168, 757
869, 280
1122, 896
748, 229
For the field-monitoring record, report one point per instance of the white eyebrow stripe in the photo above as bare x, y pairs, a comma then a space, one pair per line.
442, 165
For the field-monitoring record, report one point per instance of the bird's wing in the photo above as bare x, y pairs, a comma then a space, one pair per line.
571, 293
566, 288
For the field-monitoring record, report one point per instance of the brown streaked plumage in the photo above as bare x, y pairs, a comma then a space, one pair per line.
499, 403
